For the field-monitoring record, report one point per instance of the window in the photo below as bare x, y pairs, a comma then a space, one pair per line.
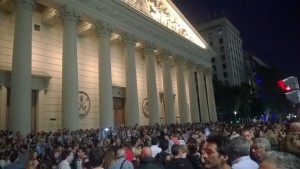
211, 43
223, 57
225, 74
222, 49
210, 36
220, 32
213, 60
215, 76
224, 65
214, 67
221, 40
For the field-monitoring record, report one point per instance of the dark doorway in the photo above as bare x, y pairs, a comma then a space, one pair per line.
119, 112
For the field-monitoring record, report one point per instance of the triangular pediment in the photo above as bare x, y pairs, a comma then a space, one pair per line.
167, 14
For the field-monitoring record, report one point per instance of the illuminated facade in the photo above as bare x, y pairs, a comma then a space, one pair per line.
99, 63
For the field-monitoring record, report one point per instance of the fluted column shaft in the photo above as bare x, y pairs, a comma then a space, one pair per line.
131, 106
184, 115
105, 81
20, 98
210, 96
151, 84
202, 94
192, 91
170, 116
70, 116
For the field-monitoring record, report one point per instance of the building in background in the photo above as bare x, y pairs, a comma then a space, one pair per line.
228, 65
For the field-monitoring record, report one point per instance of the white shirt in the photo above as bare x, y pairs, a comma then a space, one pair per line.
155, 150
64, 165
244, 162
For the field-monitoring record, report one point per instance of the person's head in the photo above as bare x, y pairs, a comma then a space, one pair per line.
81, 152
279, 160
240, 146
146, 152
14, 158
121, 153
260, 147
164, 144
154, 141
247, 134
67, 155
108, 158
176, 150
96, 157
23, 148
215, 151
193, 146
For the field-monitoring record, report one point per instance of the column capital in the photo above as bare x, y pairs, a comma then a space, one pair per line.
199, 67
164, 54
129, 39
103, 29
179, 59
190, 64
208, 71
68, 14
148, 47
27, 4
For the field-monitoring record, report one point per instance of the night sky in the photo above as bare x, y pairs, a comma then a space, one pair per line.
270, 29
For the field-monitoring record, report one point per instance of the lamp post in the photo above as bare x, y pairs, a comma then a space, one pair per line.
235, 116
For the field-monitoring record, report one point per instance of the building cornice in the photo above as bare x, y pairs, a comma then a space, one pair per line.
121, 15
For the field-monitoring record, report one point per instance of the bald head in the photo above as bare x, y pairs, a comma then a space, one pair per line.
146, 152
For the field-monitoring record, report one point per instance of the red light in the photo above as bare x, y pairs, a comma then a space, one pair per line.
287, 88
283, 86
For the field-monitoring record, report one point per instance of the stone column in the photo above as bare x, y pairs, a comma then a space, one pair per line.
151, 83
192, 91
170, 116
131, 105
105, 81
210, 96
20, 97
70, 116
184, 115
202, 94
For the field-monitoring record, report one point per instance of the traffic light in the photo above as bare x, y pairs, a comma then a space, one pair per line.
291, 87
289, 84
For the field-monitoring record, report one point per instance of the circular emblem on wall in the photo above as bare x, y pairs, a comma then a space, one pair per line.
145, 107
84, 103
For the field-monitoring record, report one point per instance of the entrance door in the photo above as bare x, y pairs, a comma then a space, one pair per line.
119, 112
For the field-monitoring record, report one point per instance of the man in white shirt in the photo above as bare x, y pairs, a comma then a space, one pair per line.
154, 148
240, 147
67, 157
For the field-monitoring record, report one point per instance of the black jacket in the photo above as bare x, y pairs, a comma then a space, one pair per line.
195, 161
149, 163
180, 163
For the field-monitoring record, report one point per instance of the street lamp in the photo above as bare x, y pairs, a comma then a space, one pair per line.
235, 116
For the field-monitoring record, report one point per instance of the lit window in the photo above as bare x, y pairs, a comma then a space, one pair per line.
220, 32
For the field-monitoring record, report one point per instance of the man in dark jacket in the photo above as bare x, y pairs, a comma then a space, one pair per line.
178, 162
147, 161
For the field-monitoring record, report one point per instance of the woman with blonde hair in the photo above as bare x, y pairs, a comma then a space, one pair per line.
109, 159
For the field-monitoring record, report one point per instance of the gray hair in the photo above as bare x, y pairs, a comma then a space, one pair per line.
283, 160
121, 153
240, 146
264, 143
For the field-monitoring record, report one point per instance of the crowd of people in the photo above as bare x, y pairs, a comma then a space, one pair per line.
189, 146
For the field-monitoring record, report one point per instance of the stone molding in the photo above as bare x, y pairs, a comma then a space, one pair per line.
103, 29
25, 4
199, 68
69, 15
208, 72
164, 54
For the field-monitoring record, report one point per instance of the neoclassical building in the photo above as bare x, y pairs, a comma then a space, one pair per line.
101, 63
